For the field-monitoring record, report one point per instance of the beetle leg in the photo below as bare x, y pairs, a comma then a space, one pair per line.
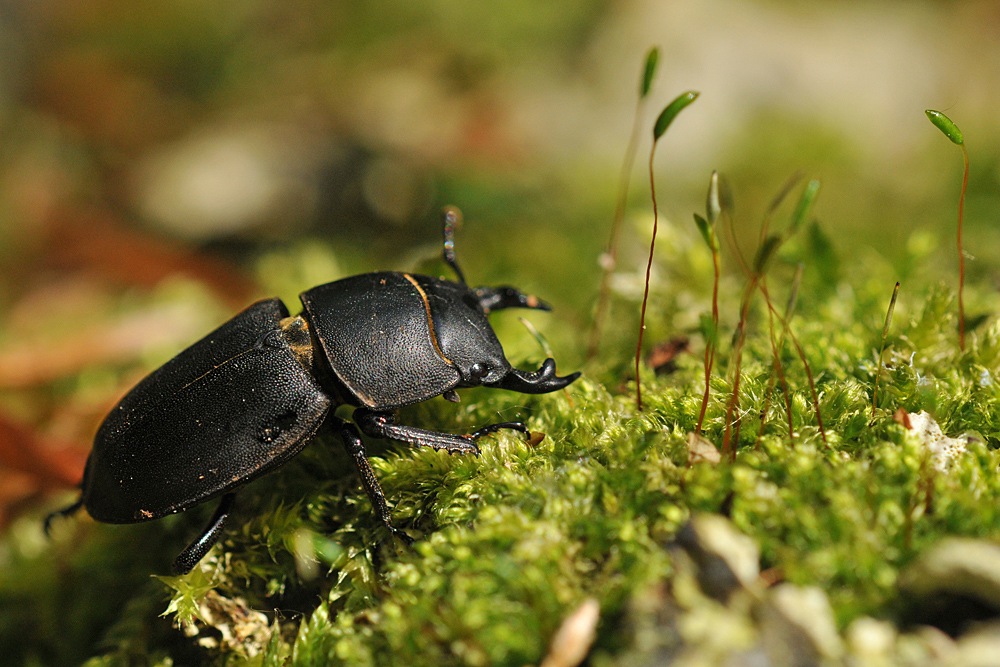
497, 298
356, 448
493, 428
66, 511
195, 551
383, 425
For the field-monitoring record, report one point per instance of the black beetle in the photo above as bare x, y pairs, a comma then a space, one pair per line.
249, 396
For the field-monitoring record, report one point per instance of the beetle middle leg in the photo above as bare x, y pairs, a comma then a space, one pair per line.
356, 448
383, 425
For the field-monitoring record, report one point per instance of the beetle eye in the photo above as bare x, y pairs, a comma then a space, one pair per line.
477, 371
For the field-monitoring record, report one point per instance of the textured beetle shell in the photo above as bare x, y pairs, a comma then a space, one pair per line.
464, 335
376, 333
231, 407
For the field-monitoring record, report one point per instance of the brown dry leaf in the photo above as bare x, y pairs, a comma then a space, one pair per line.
37, 362
702, 449
55, 465
663, 355
95, 240
31, 465
16, 490
574, 637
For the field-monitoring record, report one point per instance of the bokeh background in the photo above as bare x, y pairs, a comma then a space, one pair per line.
164, 163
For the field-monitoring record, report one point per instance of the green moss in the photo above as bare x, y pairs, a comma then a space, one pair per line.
512, 541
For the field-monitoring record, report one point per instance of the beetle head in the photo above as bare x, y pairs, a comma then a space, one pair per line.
544, 379
466, 339
462, 333
486, 365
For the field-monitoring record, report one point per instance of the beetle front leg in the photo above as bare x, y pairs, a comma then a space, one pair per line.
383, 425
356, 448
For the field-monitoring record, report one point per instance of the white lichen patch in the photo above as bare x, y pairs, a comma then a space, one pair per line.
943, 450
239, 628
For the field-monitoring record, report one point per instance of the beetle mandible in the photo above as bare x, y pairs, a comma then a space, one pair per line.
249, 396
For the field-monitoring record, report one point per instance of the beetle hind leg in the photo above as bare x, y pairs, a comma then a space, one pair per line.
66, 511
197, 550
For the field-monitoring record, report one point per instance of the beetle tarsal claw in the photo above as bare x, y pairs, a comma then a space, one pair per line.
475, 451
407, 540
541, 381
493, 428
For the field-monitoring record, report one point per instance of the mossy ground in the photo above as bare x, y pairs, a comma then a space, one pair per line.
509, 543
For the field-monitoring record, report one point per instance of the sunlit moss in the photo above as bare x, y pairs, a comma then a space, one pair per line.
510, 542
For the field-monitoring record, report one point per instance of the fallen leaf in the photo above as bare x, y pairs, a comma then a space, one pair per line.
574, 637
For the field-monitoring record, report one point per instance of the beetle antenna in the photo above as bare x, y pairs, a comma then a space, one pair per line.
497, 298
451, 218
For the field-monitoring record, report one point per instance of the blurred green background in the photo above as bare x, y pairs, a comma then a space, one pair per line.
163, 163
